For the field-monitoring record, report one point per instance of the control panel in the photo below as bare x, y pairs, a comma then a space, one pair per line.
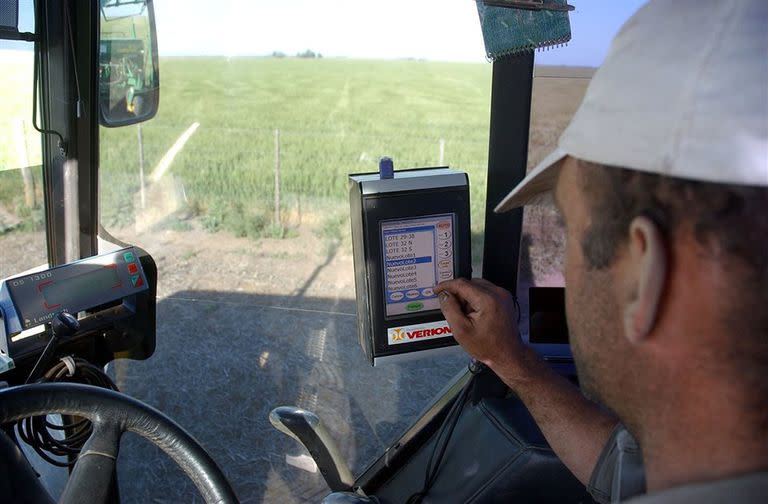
112, 294
410, 231
31, 300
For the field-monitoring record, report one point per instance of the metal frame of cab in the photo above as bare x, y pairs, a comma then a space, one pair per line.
68, 74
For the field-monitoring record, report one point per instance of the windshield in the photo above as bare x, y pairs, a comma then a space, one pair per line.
238, 188
22, 225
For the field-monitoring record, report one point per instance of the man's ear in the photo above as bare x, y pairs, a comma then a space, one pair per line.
648, 256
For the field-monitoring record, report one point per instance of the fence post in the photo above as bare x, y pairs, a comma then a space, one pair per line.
442, 152
23, 157
277, 178
141, 166
298, 207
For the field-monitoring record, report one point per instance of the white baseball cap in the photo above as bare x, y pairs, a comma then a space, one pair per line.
683, 92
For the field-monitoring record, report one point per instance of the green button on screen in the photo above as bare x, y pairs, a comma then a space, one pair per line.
416, 306
128, 256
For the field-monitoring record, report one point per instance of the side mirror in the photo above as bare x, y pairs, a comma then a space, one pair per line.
129, 80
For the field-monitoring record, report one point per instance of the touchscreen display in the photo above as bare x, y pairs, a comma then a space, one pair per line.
418, 254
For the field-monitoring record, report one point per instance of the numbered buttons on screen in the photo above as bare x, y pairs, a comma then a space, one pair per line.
396, 296
412, 294
428, 292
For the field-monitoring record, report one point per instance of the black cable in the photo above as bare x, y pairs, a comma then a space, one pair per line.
431, 473
442, 440
43, 359
517, 309
37, 431
79, 106
36, 91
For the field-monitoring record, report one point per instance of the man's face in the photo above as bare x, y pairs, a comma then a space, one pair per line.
594, 315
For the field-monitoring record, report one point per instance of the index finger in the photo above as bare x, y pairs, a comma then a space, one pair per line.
464, 290
453, 313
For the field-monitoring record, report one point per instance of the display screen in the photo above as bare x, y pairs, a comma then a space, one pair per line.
67, 290
418, 254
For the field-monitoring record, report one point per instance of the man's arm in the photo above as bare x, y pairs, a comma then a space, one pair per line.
482, 317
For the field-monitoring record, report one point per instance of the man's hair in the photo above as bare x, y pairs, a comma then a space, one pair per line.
730, 222
726, 219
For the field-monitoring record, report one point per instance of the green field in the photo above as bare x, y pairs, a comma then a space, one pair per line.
335, 117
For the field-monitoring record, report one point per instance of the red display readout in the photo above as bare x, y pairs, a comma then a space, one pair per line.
82, 286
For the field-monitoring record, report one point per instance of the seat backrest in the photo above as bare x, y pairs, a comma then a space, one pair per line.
496, 454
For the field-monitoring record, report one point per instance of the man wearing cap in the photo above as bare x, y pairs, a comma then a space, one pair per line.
662, 182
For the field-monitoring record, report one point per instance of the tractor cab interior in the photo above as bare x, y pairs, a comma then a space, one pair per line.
177, 276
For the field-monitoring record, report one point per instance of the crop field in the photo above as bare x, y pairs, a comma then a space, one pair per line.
334, 117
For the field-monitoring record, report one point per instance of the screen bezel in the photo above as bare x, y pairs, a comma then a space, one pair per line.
400, 206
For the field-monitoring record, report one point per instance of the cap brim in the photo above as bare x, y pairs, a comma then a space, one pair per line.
540, 180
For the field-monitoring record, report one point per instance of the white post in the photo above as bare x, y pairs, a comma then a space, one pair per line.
23, 158
442, 152
141, 166
277, 178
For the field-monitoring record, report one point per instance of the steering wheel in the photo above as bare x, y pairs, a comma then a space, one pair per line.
112, 414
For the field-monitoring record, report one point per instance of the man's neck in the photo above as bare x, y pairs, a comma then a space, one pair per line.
697, 439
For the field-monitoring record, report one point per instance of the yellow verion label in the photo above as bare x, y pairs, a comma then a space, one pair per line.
418, 332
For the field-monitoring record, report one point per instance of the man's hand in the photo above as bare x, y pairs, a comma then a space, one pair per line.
483, 319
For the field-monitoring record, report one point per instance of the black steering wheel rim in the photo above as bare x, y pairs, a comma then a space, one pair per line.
122, 414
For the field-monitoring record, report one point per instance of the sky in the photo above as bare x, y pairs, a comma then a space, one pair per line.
443, 30
446, 30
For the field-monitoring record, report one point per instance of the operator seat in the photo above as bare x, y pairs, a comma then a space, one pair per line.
497, 453
18, 481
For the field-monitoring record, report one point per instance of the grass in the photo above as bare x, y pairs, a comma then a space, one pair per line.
335, 117
333, 229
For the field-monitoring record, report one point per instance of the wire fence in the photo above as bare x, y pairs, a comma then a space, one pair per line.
228, 174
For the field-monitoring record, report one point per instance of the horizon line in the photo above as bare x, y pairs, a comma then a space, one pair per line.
351, 58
